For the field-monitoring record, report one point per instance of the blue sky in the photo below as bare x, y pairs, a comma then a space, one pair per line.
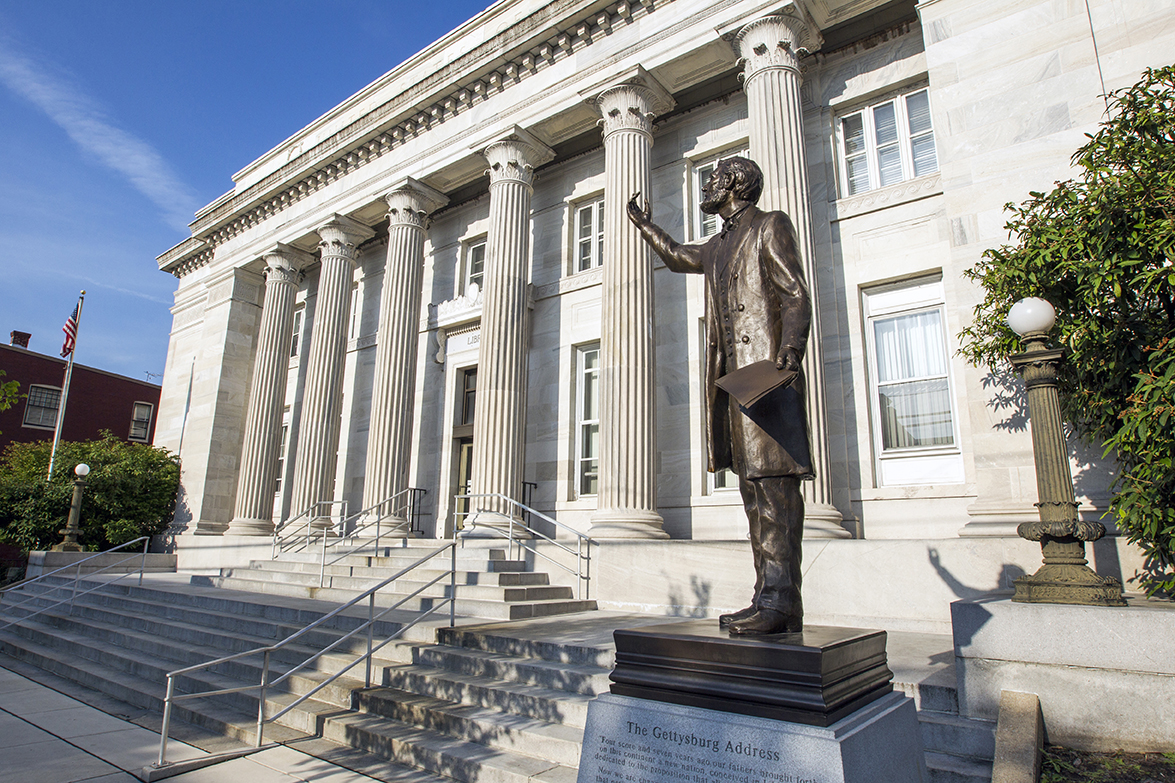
120, 118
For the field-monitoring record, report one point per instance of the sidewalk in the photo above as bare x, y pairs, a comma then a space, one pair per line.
48, 737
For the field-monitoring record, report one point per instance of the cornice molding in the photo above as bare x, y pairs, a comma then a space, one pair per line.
235, 213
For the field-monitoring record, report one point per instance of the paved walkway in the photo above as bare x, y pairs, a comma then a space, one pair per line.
48, 737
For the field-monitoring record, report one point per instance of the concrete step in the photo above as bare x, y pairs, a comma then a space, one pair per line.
116, 625
464, 577
953, 735
518, 698
467, 607
516, 733
568, 677
462, 761
490, 638
146, 692
363, 579
952, 769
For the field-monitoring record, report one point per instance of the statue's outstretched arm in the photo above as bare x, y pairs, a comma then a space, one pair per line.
678, 257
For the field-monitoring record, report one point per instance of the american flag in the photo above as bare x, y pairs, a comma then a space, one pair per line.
71, 332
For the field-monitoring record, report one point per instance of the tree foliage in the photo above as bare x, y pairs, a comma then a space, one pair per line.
1101, 248
9, 392
130, 492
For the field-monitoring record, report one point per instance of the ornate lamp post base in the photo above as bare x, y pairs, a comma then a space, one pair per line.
1065, 578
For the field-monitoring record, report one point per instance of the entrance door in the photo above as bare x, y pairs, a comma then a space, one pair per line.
464, 476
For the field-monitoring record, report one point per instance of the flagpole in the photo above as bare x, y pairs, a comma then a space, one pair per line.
65, 389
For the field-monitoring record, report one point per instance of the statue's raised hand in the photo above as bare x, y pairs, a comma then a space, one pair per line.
640, 215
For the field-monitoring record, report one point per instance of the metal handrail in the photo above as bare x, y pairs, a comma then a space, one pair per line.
279, 542
372, 648
349, 537
77, 578
583, 569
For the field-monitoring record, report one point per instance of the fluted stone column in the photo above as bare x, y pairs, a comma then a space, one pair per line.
253, 513
769, 50
627, 499
499, 422
322, 397
393, 396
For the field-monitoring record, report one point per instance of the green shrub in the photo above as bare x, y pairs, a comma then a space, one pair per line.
130, 492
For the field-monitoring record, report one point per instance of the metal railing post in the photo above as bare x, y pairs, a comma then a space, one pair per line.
143, 565
162, 762
77, 575
261, 700
370, 636
453, 584
579, 569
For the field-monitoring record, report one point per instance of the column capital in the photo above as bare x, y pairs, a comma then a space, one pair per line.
341, 235
284, 264
410, 202
514, 155
775, 41
629, 101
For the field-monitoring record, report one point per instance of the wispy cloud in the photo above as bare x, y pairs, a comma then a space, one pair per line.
87, 124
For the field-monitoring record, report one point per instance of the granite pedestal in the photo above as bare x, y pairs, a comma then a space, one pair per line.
691, 703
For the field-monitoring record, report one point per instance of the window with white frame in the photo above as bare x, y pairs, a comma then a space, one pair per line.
910, 385
475, 267
141, 421
281, 458
707, 225
587, 420
886, 143
589, 235
356, 313
296, 342
40, 408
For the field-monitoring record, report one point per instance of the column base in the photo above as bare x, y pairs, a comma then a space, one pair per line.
242, 526
493, 525
627, 523
66, 546
208, 528
823, 521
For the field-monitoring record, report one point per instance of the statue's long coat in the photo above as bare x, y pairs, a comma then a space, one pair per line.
756, 302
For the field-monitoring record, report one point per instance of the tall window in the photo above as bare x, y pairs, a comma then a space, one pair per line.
468, 395
887, 143
40, 409
909, 380
281, 459
141, 421
707, 225
589, 235
475, 267
356, 313
587, 420
296, 343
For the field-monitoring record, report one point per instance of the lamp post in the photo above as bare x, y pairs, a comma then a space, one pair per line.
1065, 577
70, 542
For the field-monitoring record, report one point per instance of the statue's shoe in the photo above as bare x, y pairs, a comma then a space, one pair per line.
742, 614
764, 622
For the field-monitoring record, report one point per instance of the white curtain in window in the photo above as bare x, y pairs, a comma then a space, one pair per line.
913, 393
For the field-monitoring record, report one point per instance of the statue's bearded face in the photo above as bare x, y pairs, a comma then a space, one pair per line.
715, 191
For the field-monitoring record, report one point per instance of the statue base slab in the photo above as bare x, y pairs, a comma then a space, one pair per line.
816, 677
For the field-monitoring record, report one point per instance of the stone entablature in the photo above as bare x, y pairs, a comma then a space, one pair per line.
338, 155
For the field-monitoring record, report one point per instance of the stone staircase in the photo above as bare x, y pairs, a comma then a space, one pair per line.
500, 702
488, 584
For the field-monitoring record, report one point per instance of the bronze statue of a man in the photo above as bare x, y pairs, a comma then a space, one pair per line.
757, 308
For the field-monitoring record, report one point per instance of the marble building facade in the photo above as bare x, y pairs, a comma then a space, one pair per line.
433, 285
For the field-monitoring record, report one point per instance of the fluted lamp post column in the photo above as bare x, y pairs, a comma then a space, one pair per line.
1065, 577
72, 525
